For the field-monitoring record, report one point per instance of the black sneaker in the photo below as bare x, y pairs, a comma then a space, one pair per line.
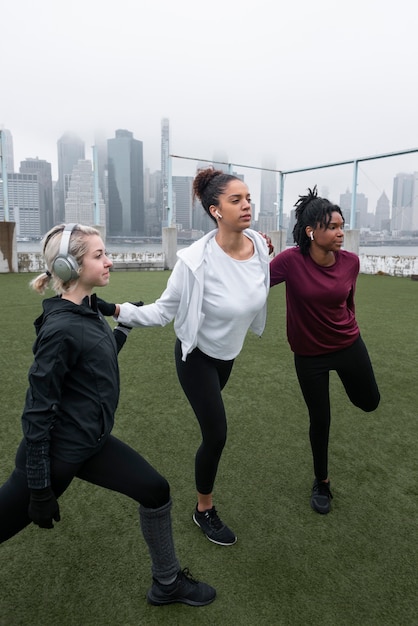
321, 497
213, 527
184, 589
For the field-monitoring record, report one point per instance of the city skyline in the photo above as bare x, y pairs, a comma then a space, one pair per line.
327, 183
304, 84
133, 200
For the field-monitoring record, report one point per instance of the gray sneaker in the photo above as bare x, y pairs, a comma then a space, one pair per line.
321, 497
213, 527
184, 589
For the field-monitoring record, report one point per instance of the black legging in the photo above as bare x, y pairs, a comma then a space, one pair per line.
355, 370
202, 379
116, 466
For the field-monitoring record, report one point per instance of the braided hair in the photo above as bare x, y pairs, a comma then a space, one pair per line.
311, 210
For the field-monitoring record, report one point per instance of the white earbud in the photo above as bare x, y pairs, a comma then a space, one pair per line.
311, 236
218, 215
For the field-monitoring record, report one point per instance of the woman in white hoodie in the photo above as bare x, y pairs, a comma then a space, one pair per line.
216, 292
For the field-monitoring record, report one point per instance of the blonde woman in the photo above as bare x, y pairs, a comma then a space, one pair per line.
69, 414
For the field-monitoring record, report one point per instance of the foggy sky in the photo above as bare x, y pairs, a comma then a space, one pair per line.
294, 84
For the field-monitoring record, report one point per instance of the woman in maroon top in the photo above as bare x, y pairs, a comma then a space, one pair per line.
321, 326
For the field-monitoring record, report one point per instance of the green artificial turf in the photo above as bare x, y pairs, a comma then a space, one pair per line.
356, 566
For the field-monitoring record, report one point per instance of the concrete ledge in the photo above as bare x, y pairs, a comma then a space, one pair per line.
122, 262
406, 266
137, 266
390, 265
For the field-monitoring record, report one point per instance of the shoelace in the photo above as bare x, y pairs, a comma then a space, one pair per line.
323, 489
214, 518
187, 574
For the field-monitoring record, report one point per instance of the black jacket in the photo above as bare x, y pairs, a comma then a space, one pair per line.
73, 386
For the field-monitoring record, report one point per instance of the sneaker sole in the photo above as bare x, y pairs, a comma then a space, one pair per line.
318, 511
219, 543
155, 602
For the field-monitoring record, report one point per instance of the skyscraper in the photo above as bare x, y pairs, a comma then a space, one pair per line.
24, 198
46, 205
80, 202
382, 214
402, 202
267, 216
268, 189
8, 150
182, 200
153, 203
126, 185
70, 150
101, 146
165, 156
361, 216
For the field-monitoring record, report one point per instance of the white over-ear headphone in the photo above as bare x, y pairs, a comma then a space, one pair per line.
65, 265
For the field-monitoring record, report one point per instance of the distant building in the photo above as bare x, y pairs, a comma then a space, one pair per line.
165, 155
201, 220
402, 201
362, 218
46, 204
382, 214
182, 200
80, 202
290, 227
25, 199
268, 213
126, 185
8, 150
220, 161
70, 150
268, 191
153, 203
100, 143
267, 222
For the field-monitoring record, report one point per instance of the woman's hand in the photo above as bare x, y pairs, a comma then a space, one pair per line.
43, 507
268, 242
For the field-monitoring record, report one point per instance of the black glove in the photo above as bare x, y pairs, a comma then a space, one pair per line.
120, 325
106, 308
43, 507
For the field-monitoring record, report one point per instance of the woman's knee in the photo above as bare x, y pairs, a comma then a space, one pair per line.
371, 404
367, 401
163, 488
215, 442
157, 494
